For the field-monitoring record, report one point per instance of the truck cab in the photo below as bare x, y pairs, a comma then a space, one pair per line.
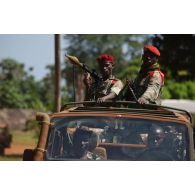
120, 130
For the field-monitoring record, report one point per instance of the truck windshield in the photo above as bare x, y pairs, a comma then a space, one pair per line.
116, 138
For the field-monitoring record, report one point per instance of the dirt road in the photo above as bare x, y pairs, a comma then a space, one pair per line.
17, 149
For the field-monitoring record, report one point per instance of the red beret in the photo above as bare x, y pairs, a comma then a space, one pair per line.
152, 49
105, 58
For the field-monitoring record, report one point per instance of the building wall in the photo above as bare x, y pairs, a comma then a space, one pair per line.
16, 119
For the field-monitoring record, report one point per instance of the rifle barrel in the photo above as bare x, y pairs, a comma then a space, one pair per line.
130, 88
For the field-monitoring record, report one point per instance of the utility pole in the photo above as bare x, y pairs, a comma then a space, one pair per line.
57, 73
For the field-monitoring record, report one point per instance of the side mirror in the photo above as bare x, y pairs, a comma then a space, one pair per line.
28, 155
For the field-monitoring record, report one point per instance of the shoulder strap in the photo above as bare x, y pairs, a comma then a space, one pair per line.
161, 75
114, 81
150, 75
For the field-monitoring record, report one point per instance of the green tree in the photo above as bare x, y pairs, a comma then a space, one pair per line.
179, 90
18, 89
47, 91
46, 88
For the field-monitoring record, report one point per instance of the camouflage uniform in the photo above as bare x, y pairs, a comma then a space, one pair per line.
104, 88
149, 84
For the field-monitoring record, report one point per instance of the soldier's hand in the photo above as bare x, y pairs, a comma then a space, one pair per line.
102, 99
130, 82
142, 100
87, 80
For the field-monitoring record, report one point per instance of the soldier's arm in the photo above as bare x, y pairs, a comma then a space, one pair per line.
117, 87
115, 90
154, 86
110, 96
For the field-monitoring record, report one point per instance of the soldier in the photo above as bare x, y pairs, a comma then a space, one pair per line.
159, 145
109, 88
85, 144
150, 80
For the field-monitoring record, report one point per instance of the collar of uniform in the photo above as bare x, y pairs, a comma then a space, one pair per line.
145, 70
112, 77
154, 67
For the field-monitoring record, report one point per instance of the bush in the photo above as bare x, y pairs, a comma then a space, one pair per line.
176, 90
31, 125
166, 93
191, 89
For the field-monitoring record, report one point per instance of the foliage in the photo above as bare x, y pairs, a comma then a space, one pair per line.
47, 88
166, 93
32, 124
65, 96
17, 88
179, 90
131, 69
24, 137
47, 91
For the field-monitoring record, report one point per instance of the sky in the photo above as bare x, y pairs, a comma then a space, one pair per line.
33, 50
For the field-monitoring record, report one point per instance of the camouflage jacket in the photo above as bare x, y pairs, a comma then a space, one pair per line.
148, 84
104, 88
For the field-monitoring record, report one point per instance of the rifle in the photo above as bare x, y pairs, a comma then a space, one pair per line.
125, 91
74, 60
128, 82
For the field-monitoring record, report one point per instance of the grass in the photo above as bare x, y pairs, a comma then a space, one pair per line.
24, 137
11, 158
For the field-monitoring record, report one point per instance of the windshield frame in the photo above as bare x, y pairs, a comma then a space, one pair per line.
120, 117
